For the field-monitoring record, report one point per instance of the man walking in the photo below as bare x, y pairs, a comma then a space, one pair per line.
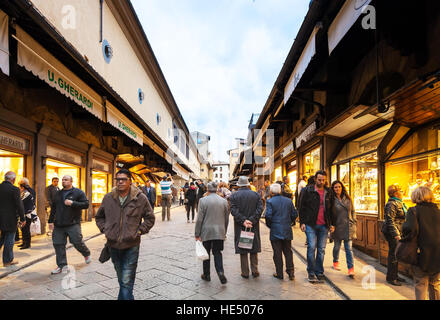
120, 218
65, 221
51, 191
211, 227
11, 207
200, 192
150, 192
165, 187
246, 208
315, 220
285, 189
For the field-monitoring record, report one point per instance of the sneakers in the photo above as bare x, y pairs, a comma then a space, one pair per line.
312, 278
58, 270
88, 259
336, 266
351, 273
321, 278
13, 262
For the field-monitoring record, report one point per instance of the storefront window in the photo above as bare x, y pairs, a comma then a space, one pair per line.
344, 175
312, 162
410, 169
99, 186
334, 173
59, 170
10, 161
364, 184
293, 175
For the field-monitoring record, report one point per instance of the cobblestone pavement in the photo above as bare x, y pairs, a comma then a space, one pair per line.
167, 269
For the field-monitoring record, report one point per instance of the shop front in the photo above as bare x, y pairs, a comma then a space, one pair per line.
14, 149
357, 167
290, 167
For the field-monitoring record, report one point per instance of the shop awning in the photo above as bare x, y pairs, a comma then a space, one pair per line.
303, 62
37, 60
4, 43
346, 18
181, 172
121, 122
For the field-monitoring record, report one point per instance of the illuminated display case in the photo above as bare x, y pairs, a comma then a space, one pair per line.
364, 184
312, 162
99, 186
293, 176
416, 163
278, 174
10, 161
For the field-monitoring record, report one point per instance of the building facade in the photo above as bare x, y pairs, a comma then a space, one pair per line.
221, 172
83, 95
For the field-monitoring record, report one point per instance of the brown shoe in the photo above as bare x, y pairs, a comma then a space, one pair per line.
244, 276
13, 262
255, 274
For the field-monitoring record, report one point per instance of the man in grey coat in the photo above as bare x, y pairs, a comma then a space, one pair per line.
211, 226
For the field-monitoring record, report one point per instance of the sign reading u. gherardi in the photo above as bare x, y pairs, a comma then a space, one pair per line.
70, 88
127, 129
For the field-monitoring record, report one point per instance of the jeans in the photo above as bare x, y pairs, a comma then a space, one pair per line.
348, 252
59, 239
426, 285
217, 247
317, 240
192, 208
281, 247
166, 206
125, 262
7, 239
393, 266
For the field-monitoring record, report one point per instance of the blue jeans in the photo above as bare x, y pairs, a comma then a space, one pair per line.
317, 240
7, 239
125, 262
348, 252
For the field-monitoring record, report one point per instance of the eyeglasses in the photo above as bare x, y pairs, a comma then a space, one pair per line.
118, 180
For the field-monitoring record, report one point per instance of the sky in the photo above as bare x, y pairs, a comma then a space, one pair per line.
221, 58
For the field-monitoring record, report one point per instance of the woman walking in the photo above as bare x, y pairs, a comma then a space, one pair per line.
191, 196
28, 197
423, 222
223, 190
344, 220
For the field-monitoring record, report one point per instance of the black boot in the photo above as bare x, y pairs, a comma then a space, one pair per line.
206, 277
222, 278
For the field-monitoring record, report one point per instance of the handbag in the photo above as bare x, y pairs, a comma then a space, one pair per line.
246, 239
407, 251
201, 252
105, 254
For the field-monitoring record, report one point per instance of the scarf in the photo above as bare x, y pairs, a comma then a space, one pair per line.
405, 209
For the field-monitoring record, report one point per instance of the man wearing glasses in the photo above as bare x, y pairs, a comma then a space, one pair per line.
120, 218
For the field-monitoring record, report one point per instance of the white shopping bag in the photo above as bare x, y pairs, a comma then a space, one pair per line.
35, 227
246, 240
201, 252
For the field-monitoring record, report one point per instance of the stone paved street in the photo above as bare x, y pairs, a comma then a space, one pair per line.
167, 269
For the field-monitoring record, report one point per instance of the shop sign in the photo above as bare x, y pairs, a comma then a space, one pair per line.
69, 88
306, 135
64, 155
13, 142
37, 60
293, 163
100, 166
123, 124
287, 150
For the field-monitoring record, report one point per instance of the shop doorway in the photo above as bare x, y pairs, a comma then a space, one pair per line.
10, 161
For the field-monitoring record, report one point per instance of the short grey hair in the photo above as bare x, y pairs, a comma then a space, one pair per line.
275, 188
10, 175
212, 187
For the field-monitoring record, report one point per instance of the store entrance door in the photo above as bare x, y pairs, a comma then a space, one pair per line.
10, 161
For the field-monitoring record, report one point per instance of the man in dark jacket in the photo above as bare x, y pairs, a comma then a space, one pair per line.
120, 218
65, 220
395, 212
200, 192
315, 220
51, 191
11, 207
285, 189
246, 208
280, 214
150, 192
